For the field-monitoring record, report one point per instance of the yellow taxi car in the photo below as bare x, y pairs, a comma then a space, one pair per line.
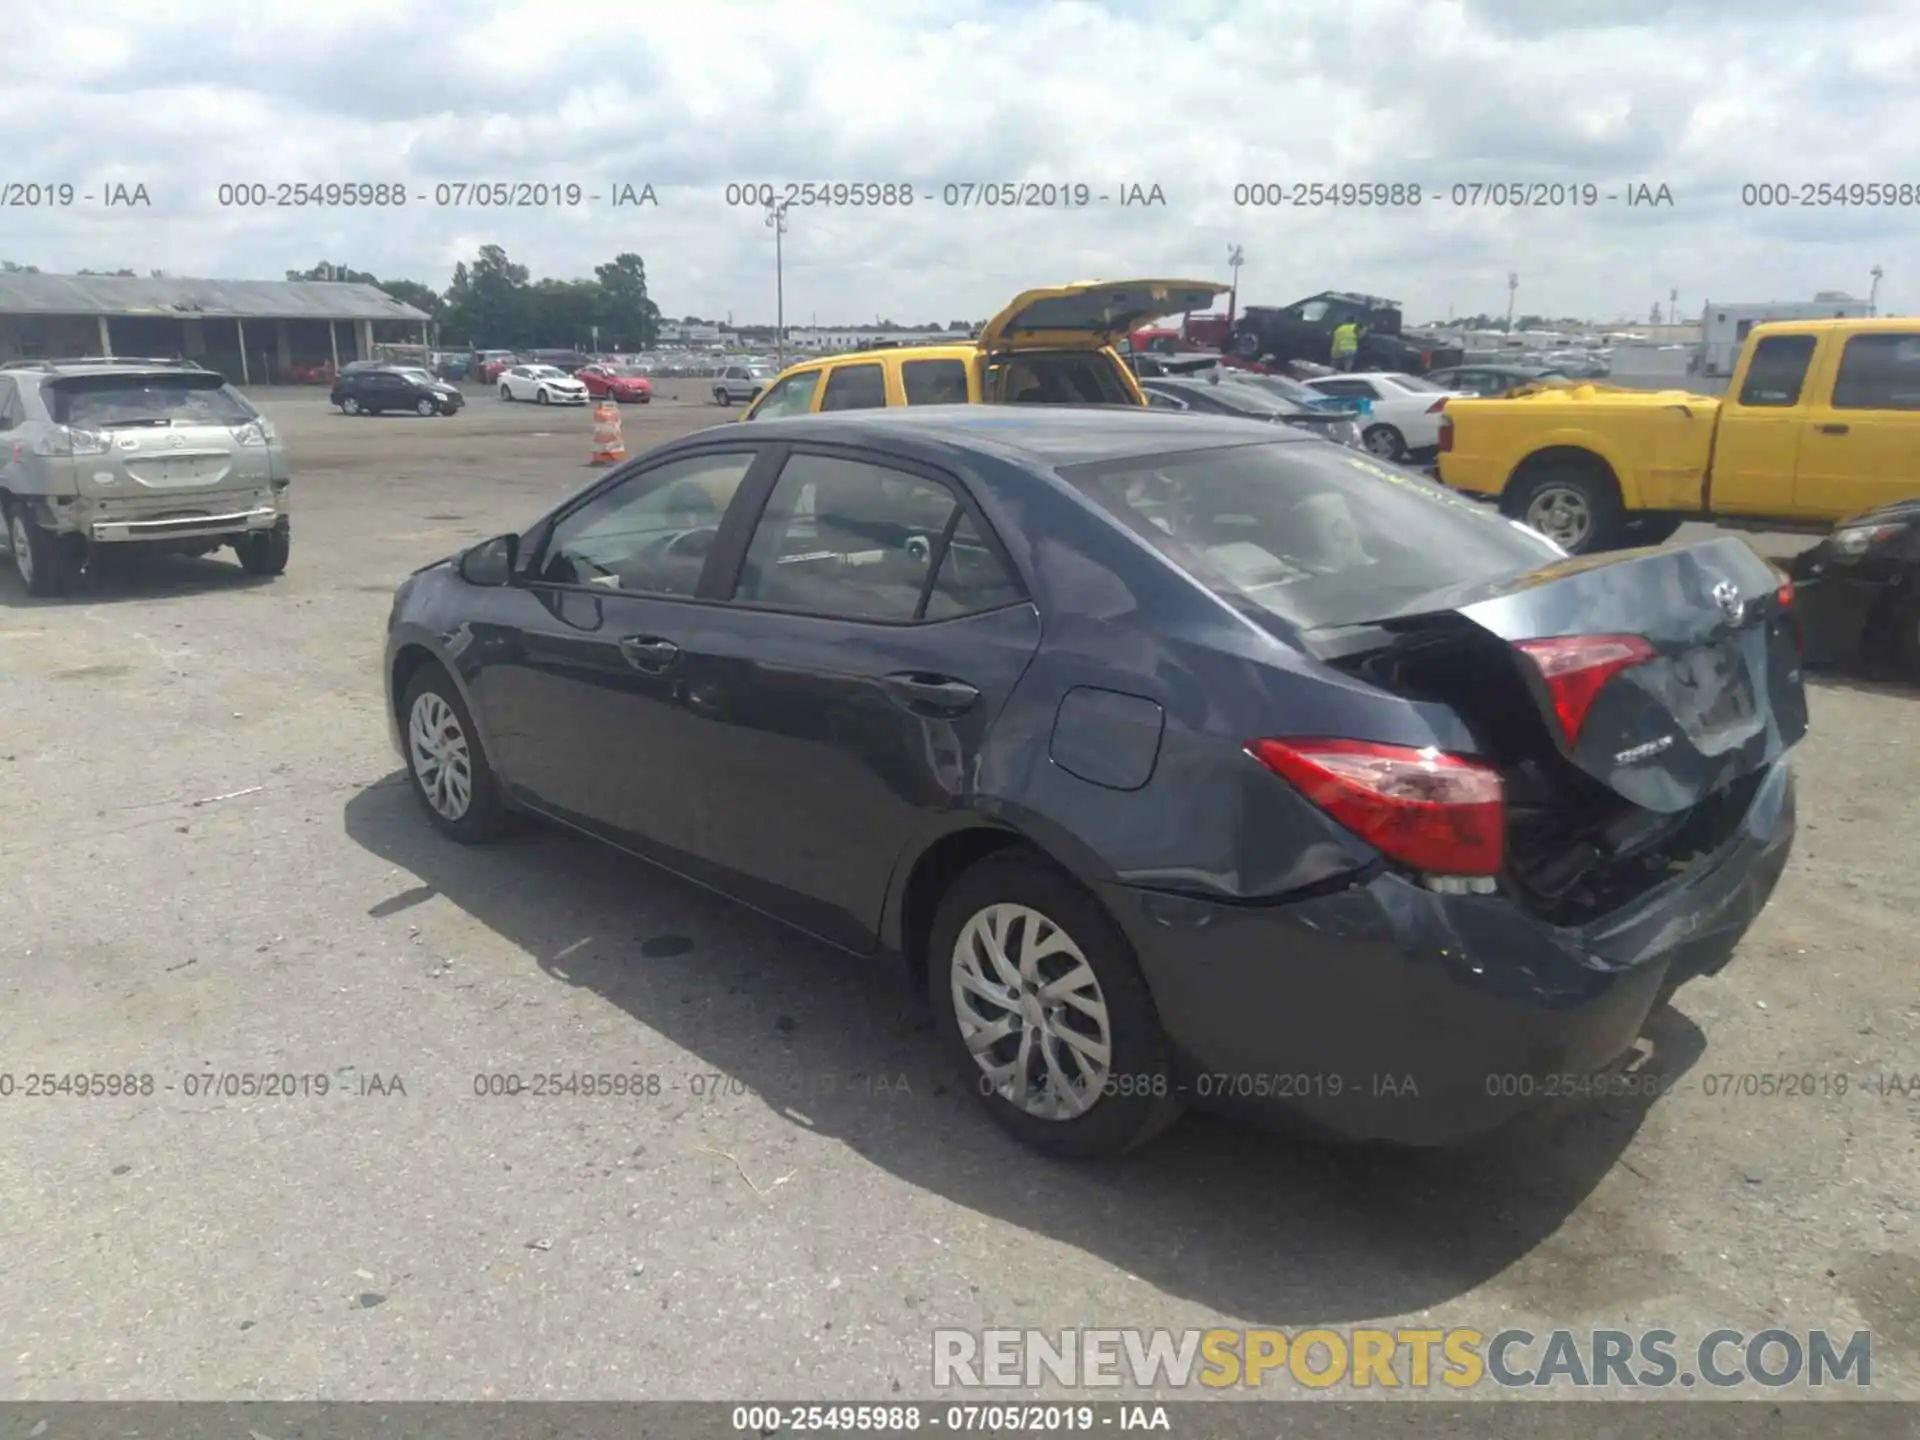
1051, 347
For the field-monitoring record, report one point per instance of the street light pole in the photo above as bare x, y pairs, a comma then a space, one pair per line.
1513, 284
777, 221
1873, 295
1236, 256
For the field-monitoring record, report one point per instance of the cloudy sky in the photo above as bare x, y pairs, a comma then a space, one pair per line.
1194, 97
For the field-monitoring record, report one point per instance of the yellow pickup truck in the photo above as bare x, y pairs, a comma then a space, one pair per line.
1820, 422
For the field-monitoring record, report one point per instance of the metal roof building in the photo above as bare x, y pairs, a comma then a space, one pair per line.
272, 330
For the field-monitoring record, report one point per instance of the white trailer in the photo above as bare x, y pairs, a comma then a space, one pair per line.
1723, 328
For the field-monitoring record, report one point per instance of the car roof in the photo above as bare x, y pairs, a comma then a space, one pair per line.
962, 350
1051, 435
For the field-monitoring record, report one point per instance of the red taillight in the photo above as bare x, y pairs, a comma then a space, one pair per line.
1439, 813
1576, 669
1446, 433
1785, 594
1437, 406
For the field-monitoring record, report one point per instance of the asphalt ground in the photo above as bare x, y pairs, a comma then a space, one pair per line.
213, 868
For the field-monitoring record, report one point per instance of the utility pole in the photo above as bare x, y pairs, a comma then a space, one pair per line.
777, 222
1873, 295
1236, 257
1513, 284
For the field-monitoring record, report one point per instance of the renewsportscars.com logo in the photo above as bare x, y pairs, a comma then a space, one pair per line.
1377, 1359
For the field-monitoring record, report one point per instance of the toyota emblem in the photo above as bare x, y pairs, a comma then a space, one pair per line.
1727, 596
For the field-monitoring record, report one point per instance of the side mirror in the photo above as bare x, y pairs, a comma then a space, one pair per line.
491, 562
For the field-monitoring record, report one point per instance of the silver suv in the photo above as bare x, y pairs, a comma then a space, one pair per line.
134, 452
741, 382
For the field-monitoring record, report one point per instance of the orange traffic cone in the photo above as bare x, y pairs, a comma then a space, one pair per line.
608, 447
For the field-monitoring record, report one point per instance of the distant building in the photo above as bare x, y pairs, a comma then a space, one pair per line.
249, 330
1723, 328
674, 333
827, 341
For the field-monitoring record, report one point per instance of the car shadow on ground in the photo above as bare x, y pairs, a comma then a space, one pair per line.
1250, 1224
121, 578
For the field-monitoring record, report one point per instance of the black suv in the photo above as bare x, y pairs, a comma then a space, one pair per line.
1304, 331
394, 387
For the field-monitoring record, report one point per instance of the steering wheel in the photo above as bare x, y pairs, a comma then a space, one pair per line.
690, 544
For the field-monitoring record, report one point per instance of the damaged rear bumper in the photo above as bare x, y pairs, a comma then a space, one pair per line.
1389, 1012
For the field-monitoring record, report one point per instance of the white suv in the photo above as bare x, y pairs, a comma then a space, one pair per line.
740, 382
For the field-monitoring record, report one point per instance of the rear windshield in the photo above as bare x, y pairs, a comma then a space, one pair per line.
102, 402
1315, 535
1413, 383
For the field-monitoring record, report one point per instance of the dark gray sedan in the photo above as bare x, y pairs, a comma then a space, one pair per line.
1182, 759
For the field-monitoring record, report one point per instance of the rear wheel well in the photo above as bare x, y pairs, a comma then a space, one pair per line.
1561, 457
933, 875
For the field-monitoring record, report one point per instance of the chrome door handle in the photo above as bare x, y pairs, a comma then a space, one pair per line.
649, 653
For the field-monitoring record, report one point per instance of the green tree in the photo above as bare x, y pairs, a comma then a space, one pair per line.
9, 268
487, 304
628, 318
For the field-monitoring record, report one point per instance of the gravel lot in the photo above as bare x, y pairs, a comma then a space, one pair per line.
213, 867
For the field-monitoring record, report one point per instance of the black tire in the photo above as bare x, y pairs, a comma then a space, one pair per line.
1899, 633
486, 817
265, 552
426, 407
722, 396
45, 562
1384, 442
542, 398
1652, 529
1246, 345
1140, 1099
506, 394
1593, 489
350, 406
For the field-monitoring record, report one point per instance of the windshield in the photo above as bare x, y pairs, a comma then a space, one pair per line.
761, 372
625, 372
1314, 535
1413, 383
419, 377
106, 402
546, 372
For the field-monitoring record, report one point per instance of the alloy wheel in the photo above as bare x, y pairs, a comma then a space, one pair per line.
1562, 514
22, 545
1031, 1012
1383, 441
441, 759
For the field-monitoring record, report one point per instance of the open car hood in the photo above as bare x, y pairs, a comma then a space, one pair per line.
1090, 314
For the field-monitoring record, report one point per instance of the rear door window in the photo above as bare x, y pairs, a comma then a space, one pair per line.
855, 387
105, 402
1777, 371
1879, 372
934, 382
852, 540
1313, 535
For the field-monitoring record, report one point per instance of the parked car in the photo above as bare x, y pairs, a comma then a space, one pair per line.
376, 390
123, 452
488, 364
568, 361
1818, 425
1304, 331
1300, 393
1248, 401
1054, 346
542, 384
741, 382
1157, 746
618, 382
1405, 419
1579, 364
1492, 380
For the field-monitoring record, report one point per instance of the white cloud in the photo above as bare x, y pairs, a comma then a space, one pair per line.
1194, 97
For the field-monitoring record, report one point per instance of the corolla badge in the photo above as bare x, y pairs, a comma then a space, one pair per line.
1644, 752
1727, 596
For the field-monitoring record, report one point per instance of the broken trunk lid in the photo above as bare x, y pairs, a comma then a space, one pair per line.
1714, 694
